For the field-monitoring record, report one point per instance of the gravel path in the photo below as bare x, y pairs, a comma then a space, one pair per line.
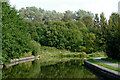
106, 62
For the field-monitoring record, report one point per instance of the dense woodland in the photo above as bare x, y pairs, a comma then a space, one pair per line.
30, 28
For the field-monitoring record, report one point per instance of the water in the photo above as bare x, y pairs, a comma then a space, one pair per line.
49, 68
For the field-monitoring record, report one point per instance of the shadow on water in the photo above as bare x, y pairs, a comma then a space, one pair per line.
94, 72
67, 69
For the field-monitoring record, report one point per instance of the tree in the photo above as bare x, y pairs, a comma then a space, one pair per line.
32, 31
103, 29
68, 16
62, 35
31, 13
15, 37
88, 21
81, 13
52, 16
90, 43
113, 37
96, 21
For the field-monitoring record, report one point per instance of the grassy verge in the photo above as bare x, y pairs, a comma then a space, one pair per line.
104, 65
52, 51
96, 54
111, 60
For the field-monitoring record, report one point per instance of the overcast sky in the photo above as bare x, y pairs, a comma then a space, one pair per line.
95, 6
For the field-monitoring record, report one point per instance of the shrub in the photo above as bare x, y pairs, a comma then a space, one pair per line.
35, 47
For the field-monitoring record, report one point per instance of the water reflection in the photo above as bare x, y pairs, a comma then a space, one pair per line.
54, 68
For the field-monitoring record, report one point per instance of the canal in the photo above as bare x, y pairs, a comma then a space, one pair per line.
50, 68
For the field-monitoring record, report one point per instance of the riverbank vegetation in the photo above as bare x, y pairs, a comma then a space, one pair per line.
53, 52
25, 32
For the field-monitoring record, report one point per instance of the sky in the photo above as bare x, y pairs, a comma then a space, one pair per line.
95, 6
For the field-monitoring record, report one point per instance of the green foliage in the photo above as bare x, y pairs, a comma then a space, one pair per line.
35, 47
70, 34
27, 54
96, 54
68, 16
113, 38
14, 35
43, 16
90, 42
74, 31
81, 13
81, 55
31, 13
88, 21
0, 33
32, 31
62, 35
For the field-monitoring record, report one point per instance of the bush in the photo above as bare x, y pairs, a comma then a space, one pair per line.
96, 54
27, 54
81, 55
15, 37
35, 47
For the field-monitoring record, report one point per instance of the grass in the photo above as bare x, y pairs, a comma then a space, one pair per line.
52, 51
96, 54
104, 65
111, 60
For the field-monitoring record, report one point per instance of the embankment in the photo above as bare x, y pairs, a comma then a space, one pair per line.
102, 71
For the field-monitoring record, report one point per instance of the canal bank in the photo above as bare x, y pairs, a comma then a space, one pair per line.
102, 71
20, 60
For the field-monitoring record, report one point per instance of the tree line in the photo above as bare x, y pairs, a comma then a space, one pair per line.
30, 28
